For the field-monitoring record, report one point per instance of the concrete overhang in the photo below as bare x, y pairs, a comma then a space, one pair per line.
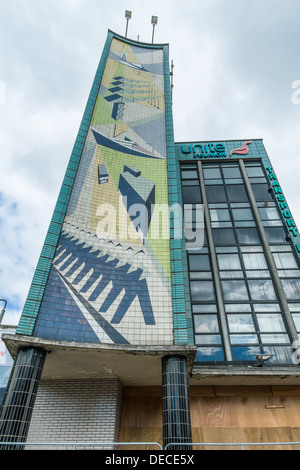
141, 365
134, 365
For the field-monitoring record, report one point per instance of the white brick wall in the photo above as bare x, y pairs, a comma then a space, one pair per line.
76, 411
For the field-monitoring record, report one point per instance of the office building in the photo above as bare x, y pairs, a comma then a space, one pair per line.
165, 306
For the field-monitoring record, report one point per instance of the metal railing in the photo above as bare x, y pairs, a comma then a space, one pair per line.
115, 445
241, 445
76, 445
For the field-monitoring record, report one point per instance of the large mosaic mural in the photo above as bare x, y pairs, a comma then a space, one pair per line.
110, 277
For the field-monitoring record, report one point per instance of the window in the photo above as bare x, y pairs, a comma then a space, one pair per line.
270, 216
212, 173
215, 194
254, 261
275, 234
236, 193
202, 291
247, 236
224, 236
270, 322
191, 194
261, 289
242, 214
261, 192
220, 218
234, 291
189, 174
206, 324
254, 171
295, 311
240, 323
291, 288
199, 263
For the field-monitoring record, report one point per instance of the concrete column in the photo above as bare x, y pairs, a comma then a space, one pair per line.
20, 396
175, 402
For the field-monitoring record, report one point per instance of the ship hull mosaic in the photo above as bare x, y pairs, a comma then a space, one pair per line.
110, 277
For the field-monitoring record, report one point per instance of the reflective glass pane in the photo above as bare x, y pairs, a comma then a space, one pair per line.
245, 353
236, 193
261, 192
275, 234
199, 262
238, 308
229, 261
280, 354
202, 291
240, 323
269, 213
296, 317
189, 174
231, 171
217, 215
242, 214
243, 339
211, 173
291, 288
266, 307
262, 289
215, 193
208, 339
254, 171
255, 261
247, 236
275, 338
191, 194
270, 322
210, 308
224, 236
285, 261
206, 324
208, 354
234, 290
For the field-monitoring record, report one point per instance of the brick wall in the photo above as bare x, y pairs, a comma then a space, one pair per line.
76, 411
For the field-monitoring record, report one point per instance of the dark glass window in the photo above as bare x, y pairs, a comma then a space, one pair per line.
236, 193
224, 236
215, 193
261, 192
275, 234
202, 291
191, 194
189, 174
199, 262
247, 236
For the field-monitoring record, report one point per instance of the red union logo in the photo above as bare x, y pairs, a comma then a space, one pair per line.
241, 151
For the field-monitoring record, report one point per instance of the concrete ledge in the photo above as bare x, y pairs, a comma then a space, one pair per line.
134, 365
234, 375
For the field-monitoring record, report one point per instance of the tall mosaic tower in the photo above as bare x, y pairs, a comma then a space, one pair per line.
104, 276
167, 293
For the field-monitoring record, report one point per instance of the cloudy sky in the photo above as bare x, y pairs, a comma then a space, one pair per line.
236, 62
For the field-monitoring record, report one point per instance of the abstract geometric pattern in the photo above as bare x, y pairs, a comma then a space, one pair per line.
110, 279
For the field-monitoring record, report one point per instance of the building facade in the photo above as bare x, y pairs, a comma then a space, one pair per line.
169, 274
